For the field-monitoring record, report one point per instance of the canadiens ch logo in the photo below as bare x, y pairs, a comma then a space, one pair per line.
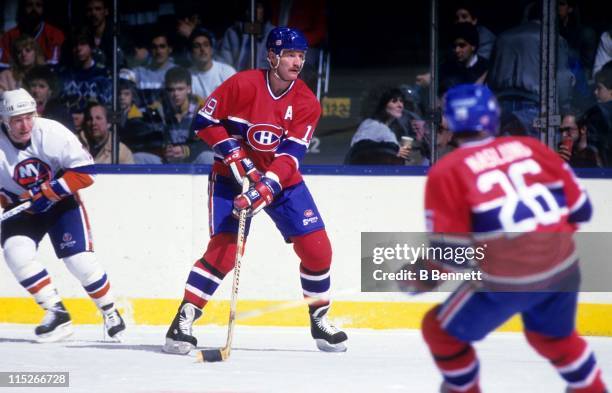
31, 172
264, 137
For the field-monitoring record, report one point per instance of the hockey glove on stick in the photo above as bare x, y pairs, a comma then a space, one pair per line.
257, 197
236, 159
43, 197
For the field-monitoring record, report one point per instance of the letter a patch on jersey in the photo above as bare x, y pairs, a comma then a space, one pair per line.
289, 113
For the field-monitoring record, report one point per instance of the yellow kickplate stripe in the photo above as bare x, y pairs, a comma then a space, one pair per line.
592, 318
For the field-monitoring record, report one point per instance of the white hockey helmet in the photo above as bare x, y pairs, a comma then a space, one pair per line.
16, 102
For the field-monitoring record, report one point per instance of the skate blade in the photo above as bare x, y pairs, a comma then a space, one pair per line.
327, 347
60, 333
177, 347
117, 338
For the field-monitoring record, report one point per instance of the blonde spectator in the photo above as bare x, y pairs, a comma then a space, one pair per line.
26, 54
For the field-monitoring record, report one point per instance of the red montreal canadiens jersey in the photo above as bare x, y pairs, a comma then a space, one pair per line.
274, 131
514, 195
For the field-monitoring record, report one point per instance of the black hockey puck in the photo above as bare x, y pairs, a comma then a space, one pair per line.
212, 355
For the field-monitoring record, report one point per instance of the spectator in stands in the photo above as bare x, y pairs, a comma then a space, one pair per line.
374, 142
514, 75
30, 21
43, 85
420, 150
151, 77
310, 17
182, 144
187, 20
206, 73
25, 55
98, 22
139, 127
77, 113
603, 84
235, 47
86, 80
444, 141
581, 39
137, 55
96, 136
466, 66
582, 43
604, 51
598, 119
467, 12
412, 111
574, 147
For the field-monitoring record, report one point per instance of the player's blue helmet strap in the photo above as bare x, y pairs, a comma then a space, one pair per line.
286, 38
471, 108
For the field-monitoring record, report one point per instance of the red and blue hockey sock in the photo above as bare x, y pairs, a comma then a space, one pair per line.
455, 359
202, 282
572, 358
314, 251
315, 285
208, 272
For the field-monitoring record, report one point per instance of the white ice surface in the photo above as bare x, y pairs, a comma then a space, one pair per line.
267, 359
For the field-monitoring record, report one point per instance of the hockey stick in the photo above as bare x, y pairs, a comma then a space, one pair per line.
16, 210
219, 355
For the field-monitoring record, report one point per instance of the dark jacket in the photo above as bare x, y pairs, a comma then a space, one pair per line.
515, 65
599, 131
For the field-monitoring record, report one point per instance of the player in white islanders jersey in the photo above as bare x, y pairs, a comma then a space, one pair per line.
43, 162
519, 202
259, 123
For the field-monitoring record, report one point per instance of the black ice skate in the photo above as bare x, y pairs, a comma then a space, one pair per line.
179, 339
328, 337
113, 322
55, 326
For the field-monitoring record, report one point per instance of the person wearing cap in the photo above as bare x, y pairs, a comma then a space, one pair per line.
206, 74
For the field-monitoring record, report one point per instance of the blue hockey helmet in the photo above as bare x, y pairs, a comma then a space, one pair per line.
471, 108
281, 38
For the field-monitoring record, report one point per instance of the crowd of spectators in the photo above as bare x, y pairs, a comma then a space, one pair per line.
510, 64
166, 69
170, 62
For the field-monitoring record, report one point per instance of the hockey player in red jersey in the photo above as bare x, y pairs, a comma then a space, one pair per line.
521, 200
260, 123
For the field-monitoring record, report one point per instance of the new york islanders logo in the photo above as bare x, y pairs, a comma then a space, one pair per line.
264, 137
31, 172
